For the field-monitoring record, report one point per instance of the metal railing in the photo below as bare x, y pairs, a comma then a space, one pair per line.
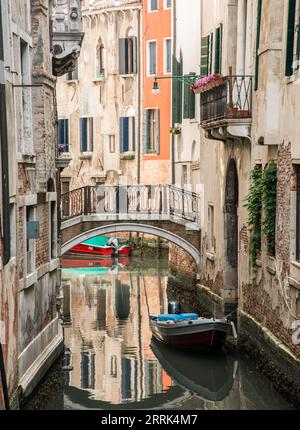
230, 98
129, 200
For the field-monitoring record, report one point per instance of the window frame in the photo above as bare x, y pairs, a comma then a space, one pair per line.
89, 134
166, 4
153, 10
149, 59
166, 72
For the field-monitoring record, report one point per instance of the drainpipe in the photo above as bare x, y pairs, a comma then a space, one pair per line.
139, 62
4, 154
173, 124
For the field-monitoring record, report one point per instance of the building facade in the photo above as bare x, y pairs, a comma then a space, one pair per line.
156, 61
30, 330
98, 104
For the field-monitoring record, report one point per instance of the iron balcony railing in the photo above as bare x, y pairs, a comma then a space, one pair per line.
144, 200
228, 98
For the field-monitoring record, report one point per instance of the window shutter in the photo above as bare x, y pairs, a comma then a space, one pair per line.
124, 131
134, 55
133, 133
210, 52
186, 101
61, 132
83, 135
177, 92
91, 121
67, 135
144, 132
298, 38
157, 131
123, 60
192, 101
258, 25
204, 55
290, 38
217, 50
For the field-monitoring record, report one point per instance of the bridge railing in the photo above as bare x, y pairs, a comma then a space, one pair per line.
133, 200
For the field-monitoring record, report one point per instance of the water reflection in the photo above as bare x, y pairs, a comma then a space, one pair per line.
117, 365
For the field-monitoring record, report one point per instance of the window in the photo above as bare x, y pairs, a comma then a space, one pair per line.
293, 38
184, 177
210, 229
112, 143
189, 102
100, 67
167, 4
113, 366
73, 76
52, 235
258, 26
128, 56
168, 55
152, 5
151, 131
152, 58
86, 134
63, 135
127, 134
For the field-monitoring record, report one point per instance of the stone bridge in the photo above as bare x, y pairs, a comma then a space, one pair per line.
165, 211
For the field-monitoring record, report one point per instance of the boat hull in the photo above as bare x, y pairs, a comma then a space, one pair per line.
105, 251
203, 335
124, 251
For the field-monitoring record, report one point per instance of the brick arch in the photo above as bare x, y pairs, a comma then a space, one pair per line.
134, 227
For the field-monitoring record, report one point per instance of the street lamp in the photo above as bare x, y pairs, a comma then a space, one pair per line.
186, 79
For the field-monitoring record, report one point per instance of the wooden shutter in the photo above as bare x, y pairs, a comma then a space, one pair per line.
157, 131
133, 133
189, 101
83, 134
66, 135
210, 53
258, 25
192, 101
204, 55
217, 50
290, 38
123, 56
91, 136
177, 92
144, 132
134, 55
124, 134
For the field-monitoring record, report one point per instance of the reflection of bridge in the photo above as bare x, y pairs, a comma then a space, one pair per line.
160, 210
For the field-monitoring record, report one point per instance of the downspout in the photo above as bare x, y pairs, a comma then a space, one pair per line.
173, 124
139, 62
4, 156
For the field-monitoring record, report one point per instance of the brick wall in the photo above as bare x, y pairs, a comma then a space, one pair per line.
181, 261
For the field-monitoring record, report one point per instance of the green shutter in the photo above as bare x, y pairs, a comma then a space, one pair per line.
144, 133
123, 61
258, 25
134, 55
204, 55
210, 53
290, 38
217, 50
176, 92
189, 102
157, 131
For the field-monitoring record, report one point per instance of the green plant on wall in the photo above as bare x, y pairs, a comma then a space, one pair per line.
254, 206
269, 195
262, 199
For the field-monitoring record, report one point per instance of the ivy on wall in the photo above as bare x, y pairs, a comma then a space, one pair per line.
262, 200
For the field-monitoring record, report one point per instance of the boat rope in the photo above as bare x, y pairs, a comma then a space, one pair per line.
231, 313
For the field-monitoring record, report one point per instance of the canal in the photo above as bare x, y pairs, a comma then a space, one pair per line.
111, 361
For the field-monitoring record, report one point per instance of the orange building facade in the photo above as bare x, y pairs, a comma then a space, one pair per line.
156, 115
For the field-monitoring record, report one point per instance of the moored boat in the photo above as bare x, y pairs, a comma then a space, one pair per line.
96, 246
190, 331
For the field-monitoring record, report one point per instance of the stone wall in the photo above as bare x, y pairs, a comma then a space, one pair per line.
182, 261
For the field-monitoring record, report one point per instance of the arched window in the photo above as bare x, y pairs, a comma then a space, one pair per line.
100, 66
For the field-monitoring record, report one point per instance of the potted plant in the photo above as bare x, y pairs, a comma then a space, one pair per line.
207, 83
127, 156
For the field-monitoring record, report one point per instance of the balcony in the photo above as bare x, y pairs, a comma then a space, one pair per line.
67, 36
226, 108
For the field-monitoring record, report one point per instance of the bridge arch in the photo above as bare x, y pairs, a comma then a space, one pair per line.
134, 227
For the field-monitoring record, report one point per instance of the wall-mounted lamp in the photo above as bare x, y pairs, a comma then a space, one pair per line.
186, 79
155, 89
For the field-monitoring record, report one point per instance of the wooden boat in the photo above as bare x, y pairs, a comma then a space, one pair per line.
189, 331
209, 377
96, 246
103, 246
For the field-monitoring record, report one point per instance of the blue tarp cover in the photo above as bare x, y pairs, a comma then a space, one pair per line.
180, 317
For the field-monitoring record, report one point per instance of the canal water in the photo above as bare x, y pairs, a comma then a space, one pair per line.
111, 361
